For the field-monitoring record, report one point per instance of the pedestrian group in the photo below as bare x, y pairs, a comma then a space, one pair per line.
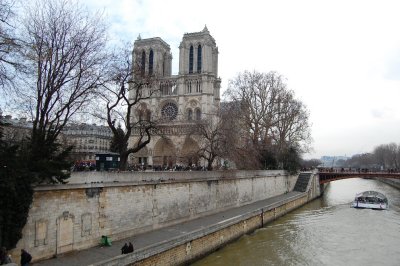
127, 248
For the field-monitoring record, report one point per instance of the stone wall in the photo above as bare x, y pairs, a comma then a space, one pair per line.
390, 181
70, 217
197, 244
192, 247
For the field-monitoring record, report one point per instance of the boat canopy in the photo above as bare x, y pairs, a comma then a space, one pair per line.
371, 194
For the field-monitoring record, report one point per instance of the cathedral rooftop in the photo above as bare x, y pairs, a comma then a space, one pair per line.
153, 40
202, 33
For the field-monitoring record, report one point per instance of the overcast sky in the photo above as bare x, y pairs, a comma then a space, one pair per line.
342, 58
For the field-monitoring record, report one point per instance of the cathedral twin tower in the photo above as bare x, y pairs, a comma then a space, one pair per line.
182, 100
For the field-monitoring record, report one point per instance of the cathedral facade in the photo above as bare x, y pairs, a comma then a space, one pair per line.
181, 101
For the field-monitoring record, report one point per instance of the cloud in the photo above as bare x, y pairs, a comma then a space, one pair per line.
386, 113
392, 66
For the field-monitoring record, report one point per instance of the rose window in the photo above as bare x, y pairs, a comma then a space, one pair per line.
169, 111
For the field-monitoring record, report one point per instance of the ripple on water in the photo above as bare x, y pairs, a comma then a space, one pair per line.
324, 232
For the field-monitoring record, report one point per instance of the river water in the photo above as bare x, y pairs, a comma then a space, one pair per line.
324, 232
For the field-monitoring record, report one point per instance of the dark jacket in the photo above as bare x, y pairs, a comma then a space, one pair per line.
25, 257
124, 249
130, 248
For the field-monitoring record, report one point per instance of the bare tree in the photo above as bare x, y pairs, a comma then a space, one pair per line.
213, 134
291, 126
238, 147
122, 95
273, 121
365, 160
65, 54
380, 155
388, 155
256, 93
10, 46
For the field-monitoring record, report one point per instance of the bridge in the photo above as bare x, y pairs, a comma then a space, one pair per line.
326, 177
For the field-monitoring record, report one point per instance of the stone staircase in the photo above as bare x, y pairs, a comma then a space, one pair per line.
302, 182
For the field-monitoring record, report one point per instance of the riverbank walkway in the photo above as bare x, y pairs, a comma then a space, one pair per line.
151, 241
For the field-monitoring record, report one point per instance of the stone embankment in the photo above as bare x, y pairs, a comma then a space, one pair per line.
391, 181
169, 218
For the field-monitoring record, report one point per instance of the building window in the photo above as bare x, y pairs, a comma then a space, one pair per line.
143, 63
198, 86
198, 114
169, 111
189, 86
199, 59
190, 114
162, 88
174, 89
151, 57
163, 65
191, 60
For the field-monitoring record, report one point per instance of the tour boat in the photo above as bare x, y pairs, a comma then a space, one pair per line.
370, 200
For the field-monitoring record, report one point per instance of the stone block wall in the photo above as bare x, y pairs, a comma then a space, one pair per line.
71, 217
182, 252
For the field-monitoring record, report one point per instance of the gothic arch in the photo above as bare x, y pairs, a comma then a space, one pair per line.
191, 58
142, 112
143, 63
199, 57
151, 62
189, 113
144, 152
198, 114
164, 64
189, 152
164, 153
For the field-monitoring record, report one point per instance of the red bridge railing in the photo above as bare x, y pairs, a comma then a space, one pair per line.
328, 176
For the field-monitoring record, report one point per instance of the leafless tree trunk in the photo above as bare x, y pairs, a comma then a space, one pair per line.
213, 144
238, 147
122, 94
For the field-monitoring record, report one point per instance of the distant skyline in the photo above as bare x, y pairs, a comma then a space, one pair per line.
341, 58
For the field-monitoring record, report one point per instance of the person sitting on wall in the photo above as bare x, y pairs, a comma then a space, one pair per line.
130, 248
4, 258
124, 249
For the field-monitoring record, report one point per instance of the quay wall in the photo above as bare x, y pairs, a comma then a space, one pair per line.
64, 218
391, 181
194, 245
198, 244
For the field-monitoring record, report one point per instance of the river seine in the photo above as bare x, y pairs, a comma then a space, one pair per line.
324, 232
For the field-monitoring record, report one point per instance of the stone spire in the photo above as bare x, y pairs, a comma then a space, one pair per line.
139, 37
205, 29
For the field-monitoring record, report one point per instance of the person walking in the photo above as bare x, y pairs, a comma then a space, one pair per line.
25, 258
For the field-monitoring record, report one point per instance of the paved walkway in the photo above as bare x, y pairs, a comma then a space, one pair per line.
160, 236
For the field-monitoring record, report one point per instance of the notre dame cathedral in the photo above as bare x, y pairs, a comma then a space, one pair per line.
182, 100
